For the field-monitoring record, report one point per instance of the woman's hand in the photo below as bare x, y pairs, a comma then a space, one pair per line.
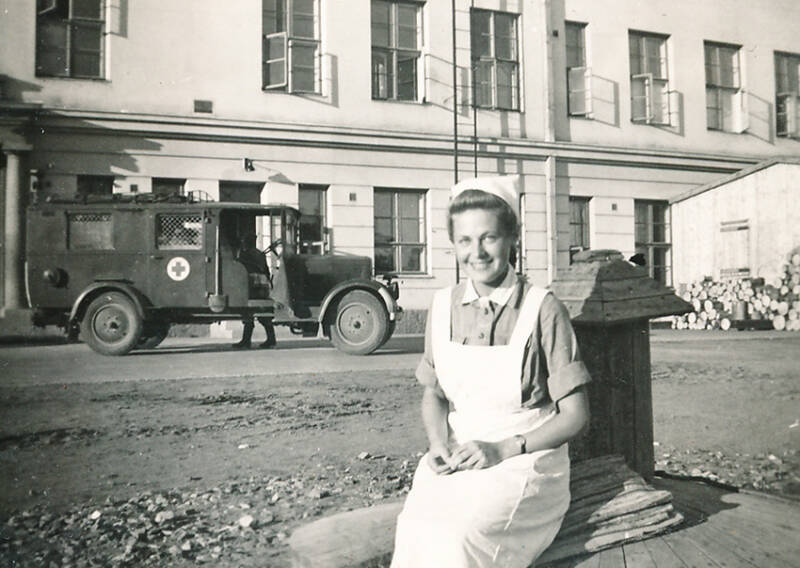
476, 454
439, 460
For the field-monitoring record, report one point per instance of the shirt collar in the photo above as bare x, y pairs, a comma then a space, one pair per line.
499, 295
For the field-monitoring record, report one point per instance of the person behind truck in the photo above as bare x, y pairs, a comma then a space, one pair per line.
255, 263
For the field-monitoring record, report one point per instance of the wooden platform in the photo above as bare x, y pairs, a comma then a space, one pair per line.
722, 528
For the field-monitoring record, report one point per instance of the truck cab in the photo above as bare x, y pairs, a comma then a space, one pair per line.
118, 271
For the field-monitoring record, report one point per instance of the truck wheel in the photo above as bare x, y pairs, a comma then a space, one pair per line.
389, 332
111, 325
359, 323
153, 334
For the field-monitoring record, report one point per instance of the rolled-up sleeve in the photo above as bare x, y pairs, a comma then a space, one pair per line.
559, 347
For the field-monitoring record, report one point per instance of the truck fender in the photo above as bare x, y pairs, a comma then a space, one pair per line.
89, 293
373, 286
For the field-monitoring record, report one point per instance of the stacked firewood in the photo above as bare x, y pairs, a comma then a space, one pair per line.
746, 302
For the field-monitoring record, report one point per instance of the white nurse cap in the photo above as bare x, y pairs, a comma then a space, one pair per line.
506, 188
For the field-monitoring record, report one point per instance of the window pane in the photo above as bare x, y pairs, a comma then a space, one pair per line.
382, 79
729, 67
409, 205
303, 19
660, 104
481, 34
639, 103
384, 259
407, 26
304, 68
727, 99
505, 37
411, 258
483, 83
383, 203
384, 230
90, 231
406, 77
87, 37
273, 16
653, 56
713, 120
712, 65
182, 232
381, 31
574, 44
168, 186
635, 55
409, 231
87, 9
51, 48
506, 85
95, 185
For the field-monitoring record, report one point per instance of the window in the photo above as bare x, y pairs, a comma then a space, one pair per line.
95, 185
313, 235
182, 231
399, 231
579, 98
724, 100
495, 60
69, 38
578, 225
652, 236
395, 49
168, 186
787, 94
649, 81
291, 52
90, 231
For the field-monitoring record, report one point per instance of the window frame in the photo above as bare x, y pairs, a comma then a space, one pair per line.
584, 224
736, 91
291, 43
307, 246
91, 182
651, 83
493, 62
73, 26
397, 246
579, 85
787, 95
393, 54
650, 246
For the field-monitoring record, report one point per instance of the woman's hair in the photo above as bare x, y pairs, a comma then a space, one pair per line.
477, 199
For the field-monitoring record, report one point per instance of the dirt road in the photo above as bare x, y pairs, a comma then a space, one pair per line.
220, 471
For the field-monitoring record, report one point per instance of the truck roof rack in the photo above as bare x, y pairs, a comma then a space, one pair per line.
194, 196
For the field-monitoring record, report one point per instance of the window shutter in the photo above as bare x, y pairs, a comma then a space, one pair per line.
641, 99
787, 114
276, 70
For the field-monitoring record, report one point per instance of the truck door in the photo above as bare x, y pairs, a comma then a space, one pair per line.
179, 265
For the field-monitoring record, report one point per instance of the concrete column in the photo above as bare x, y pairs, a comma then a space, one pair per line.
12, 277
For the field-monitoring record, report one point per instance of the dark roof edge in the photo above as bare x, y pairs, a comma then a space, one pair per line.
735, 176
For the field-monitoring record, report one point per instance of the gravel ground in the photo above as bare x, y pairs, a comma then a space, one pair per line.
186, 474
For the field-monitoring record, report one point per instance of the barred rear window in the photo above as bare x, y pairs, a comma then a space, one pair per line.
90, 231
181, 231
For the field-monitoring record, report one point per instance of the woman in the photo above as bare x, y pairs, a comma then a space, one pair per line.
504, 393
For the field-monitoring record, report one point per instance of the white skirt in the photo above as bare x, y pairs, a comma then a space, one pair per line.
503, 516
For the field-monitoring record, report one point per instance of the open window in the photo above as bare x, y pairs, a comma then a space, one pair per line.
291, 47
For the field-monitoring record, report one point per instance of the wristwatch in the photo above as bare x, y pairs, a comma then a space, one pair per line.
521, 442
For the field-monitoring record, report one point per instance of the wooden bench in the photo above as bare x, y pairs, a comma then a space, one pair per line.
611, 505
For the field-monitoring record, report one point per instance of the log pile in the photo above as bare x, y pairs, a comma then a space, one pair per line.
610, 505
751, 302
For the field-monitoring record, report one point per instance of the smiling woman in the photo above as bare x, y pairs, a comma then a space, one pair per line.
503, 394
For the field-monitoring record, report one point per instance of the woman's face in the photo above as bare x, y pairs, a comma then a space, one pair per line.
482, 247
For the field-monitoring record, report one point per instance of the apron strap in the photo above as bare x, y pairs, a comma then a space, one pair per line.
528, 317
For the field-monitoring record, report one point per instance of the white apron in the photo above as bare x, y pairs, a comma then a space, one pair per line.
504, 515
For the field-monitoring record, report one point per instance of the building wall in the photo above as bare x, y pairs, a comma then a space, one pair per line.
765, 202
139, 123
760, 26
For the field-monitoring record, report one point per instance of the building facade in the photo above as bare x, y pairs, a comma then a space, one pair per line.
364, 112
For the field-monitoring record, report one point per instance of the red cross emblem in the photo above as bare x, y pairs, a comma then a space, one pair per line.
178, 268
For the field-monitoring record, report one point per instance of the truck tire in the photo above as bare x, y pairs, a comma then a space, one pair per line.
153, 334
111, 325
359, 323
